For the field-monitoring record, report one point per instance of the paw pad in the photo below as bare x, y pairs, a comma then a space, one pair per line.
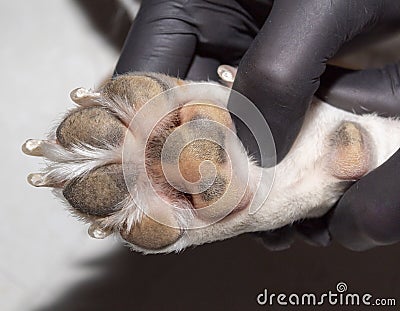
351, 157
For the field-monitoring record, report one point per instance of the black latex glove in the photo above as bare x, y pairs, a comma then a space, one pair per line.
280, 73
181, 38
281, 70
283, 66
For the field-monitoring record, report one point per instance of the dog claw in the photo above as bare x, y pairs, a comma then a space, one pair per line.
227, 74
37, 180
97, 232
33, 147
41, 180
84, 97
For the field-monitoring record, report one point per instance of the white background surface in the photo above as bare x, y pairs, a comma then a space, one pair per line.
48, 48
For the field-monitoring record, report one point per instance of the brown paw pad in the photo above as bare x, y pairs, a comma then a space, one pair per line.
350, 156
207, 162
151, 234
135, 90
92, 126
99, 192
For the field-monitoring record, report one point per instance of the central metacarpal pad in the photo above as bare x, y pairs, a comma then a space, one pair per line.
196, 161
193, 159
205, 161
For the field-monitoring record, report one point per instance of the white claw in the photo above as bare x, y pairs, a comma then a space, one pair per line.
96, 232
33, 147
84, 97
227, 73
37, 180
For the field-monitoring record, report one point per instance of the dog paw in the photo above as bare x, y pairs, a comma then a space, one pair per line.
156, 161
137, 159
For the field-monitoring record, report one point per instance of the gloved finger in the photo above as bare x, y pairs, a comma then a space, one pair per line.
363, 91
368, 214
314, 231
203, 69
280, 72
158, 43
278, 239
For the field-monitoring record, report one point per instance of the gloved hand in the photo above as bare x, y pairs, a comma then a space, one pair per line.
280, 73
190, 39
281, 70
283, 65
